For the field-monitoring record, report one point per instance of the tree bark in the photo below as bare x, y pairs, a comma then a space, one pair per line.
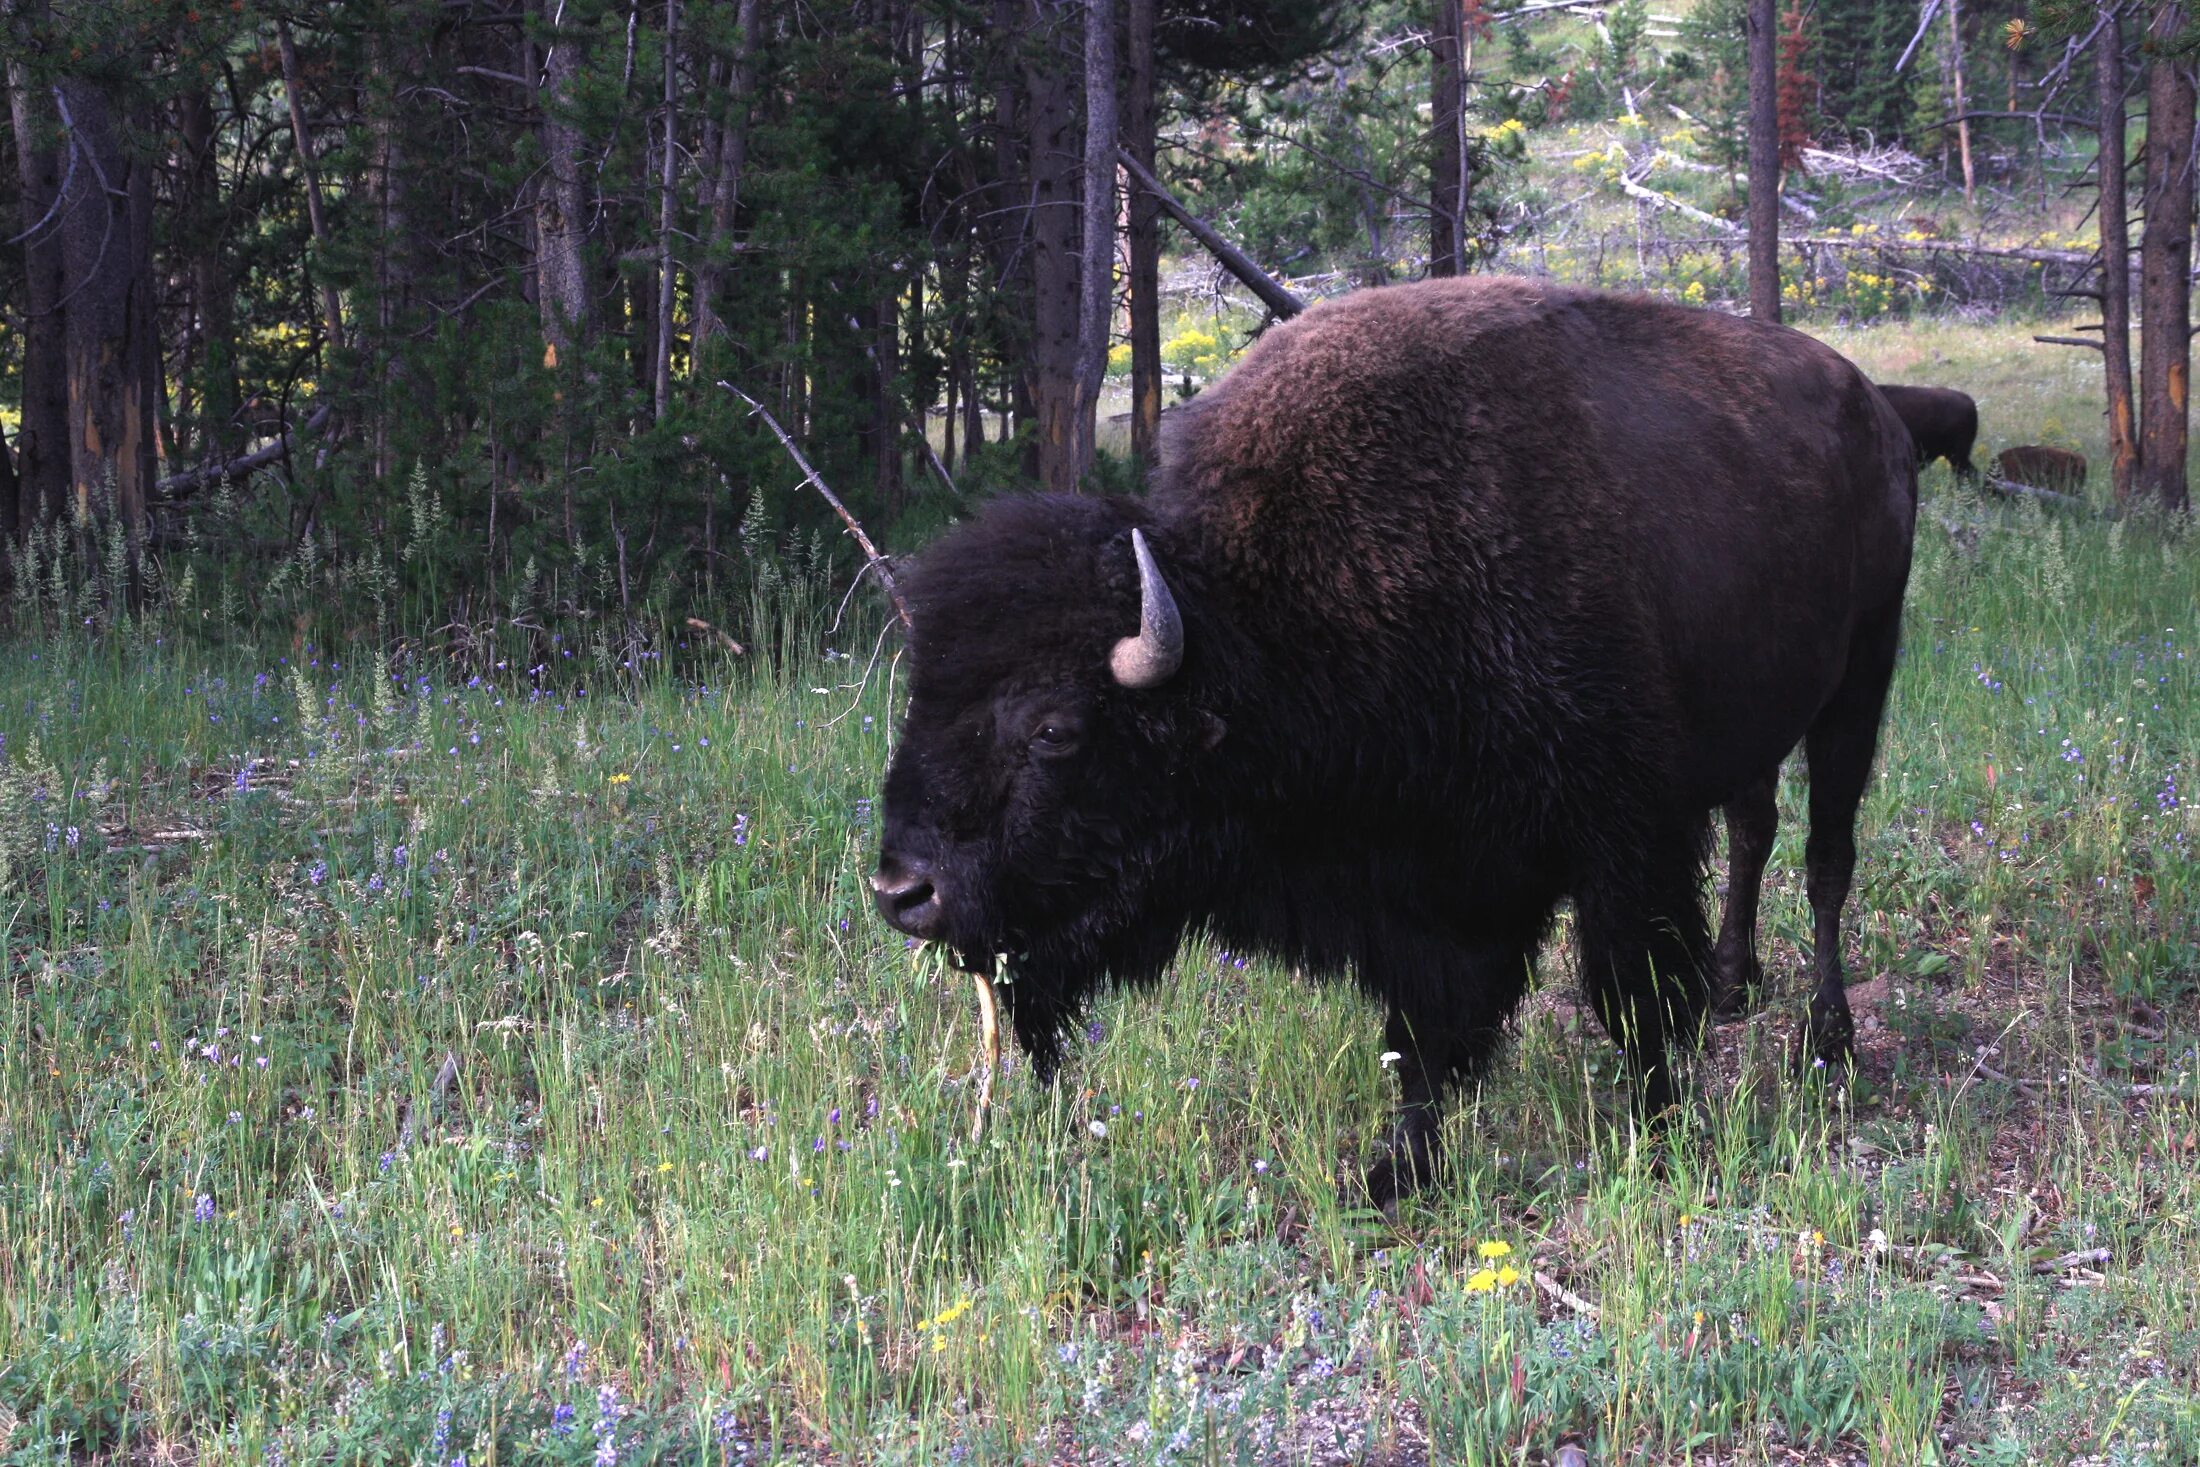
1096, 257
1140, 137
2165, 265
725, 188
11, 511
1764, 164
2115, 224
561, 207
1051, 78
42, 438
668, 217
107, 277
1447, 156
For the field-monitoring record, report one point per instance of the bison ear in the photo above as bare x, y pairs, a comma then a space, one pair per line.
1211, 730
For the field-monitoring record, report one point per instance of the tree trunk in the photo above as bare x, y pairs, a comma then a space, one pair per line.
332, 309
668, 216
2115, 223
42, 438
1140, 136
1963, 110
12, 514
886, 407
213, 304
1005, 222
1050, 90
393, 239
1764, 165
561, 207
725, 189
1447, 158
973, 396
1096, 258
2165, 265
113, 347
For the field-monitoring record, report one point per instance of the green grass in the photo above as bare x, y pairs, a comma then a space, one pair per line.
703, 1176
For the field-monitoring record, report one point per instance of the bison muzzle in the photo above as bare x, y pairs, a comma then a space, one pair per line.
1450, 603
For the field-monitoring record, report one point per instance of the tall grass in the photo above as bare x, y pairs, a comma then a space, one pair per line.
400, 1064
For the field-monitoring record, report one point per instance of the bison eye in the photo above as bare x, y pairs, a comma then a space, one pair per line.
1054, 736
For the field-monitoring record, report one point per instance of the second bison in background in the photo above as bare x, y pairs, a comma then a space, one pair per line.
2043, 468
1943, 423
1452, 601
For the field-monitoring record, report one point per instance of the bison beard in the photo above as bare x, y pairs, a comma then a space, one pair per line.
1454, 601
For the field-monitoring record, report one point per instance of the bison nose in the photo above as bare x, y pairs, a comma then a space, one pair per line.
907, 895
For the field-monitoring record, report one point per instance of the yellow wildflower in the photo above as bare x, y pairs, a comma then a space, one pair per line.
1494, 1249
1481, 1281
1507, 1276
622, 779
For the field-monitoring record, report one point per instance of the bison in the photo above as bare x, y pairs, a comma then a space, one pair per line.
2042, 467
1451, 602
1943, 423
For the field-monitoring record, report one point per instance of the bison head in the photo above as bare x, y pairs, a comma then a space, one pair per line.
1038, 809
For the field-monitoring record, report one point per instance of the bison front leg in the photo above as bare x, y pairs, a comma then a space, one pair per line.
1416, 1129
1448, 1007
1643, 945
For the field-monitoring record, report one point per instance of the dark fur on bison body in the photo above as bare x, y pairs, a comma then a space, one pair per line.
1943, 423
1490, 591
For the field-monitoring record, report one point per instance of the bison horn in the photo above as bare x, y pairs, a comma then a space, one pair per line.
1153, 656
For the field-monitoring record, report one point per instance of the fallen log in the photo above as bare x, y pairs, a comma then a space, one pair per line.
190, 481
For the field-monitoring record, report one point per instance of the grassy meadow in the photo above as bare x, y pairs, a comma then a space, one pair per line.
496, 1061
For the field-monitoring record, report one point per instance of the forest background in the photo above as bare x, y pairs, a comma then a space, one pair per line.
434, 305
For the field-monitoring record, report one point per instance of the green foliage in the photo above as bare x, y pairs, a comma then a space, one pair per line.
1855, 47
1716, 79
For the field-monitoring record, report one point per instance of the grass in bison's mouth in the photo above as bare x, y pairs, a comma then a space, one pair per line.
698, 1179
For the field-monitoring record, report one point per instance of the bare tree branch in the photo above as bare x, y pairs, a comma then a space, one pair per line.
1273, 294
812, 479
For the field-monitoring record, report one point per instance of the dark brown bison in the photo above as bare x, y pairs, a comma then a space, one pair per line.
1943, 423
2043, 468
1452, 601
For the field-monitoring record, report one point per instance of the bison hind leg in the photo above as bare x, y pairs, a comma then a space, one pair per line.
1752, 823
1644, 957
1840, 747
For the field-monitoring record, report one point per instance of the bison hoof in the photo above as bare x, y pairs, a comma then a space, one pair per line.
1393, 1179
1383, 1184
1737, 986
1827, 1043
